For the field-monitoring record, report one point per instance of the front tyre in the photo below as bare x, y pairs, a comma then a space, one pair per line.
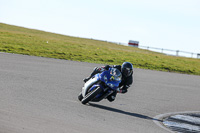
91, 95
80, 96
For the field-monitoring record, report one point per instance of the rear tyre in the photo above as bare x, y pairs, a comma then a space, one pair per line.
91, 95
80, 96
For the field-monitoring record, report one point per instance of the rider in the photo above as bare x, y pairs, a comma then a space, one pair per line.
127, 77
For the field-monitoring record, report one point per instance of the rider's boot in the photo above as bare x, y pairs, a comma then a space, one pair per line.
95, 71
112, 97
86, 79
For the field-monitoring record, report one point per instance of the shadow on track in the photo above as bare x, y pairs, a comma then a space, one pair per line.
123, 112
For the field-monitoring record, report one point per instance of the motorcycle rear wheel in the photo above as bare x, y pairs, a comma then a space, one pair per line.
91, 95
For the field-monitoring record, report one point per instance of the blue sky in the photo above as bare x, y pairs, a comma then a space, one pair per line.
170, 24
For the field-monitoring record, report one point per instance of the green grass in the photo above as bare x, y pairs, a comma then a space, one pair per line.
20, 40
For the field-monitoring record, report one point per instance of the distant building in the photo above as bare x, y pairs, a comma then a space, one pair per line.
198, 55
133, 43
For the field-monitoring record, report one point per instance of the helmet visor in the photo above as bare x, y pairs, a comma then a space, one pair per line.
127, 72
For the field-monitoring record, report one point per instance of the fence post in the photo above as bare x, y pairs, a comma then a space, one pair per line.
177, 52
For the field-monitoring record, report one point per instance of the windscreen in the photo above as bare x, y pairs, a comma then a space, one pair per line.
116, 74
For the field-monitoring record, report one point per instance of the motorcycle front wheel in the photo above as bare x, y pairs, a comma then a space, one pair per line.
80, 96
91, 95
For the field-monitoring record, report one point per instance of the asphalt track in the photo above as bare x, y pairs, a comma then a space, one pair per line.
39, 95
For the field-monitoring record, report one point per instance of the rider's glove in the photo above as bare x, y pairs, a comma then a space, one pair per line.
118, 90
121, 90
124, 91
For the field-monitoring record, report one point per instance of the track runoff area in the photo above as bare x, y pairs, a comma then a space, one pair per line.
181, 122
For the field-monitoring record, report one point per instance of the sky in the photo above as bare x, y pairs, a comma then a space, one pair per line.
168, 24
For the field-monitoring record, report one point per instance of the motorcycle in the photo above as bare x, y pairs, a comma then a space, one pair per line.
100, 86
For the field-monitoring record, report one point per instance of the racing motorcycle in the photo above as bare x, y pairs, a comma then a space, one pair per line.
100, 86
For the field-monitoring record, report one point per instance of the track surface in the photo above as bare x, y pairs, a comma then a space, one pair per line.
39, 95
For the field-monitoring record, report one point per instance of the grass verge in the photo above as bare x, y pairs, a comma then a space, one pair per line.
14, 39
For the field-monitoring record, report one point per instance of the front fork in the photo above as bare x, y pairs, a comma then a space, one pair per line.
104, 96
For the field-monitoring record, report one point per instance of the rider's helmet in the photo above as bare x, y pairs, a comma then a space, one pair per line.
127, 69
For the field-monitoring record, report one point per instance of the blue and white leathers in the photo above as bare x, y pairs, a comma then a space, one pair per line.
106, 82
